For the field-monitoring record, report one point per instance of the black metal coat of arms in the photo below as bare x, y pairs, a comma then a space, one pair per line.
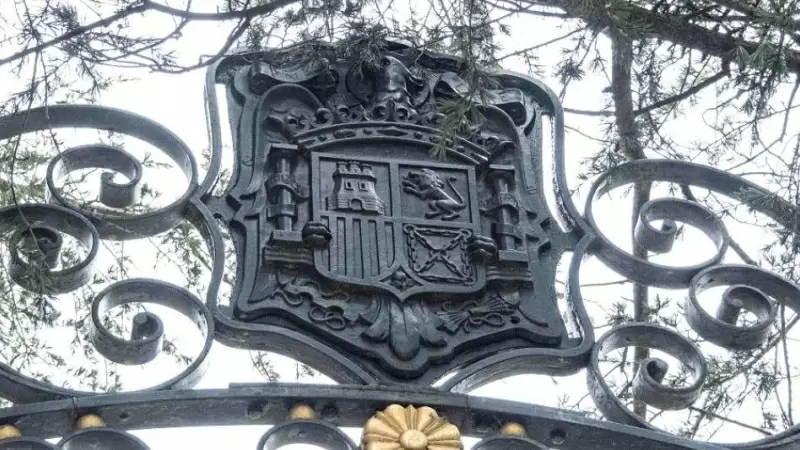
405, 249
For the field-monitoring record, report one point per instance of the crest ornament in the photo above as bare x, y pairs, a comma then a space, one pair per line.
351, 230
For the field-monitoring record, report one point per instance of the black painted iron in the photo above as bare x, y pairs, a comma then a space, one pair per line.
411, 263
508, 443
102, 439
349, 228
341, 405
25, 443
309, 432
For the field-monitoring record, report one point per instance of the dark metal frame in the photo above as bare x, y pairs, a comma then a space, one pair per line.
343, 405
45, 411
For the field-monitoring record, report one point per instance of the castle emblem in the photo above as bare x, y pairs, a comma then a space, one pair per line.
354, 189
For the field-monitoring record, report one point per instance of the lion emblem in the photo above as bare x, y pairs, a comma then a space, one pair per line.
428, 186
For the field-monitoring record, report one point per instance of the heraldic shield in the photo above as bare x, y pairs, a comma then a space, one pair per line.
380, 232
399, 225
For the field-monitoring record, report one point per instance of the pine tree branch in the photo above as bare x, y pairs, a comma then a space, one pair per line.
248, 13
647, 23
710, 81
540, 45
240, 29
141, 8
686, 190
759, 354
759, 15
75, 32
683, 95
705, 412
585, 112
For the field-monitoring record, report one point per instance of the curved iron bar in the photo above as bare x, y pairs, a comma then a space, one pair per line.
308, 432
723, 330
748, 287
110, 226
102, 439
21, 388
214, 130
112, 194
27, 221
508, 443
40, 225
681, 172
26, 443
647, 384
719, 331
147, 335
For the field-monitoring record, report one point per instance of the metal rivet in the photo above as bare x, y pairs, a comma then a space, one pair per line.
9, 431
558, 436
513, 429
90, 421
255, 410
302, 411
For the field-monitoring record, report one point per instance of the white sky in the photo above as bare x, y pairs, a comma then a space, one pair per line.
177, 102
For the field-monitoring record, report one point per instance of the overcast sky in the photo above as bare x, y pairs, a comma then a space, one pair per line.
177, 102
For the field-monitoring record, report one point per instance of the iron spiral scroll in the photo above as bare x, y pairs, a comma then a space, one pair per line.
313, 414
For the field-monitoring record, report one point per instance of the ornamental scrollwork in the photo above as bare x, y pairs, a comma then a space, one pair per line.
37, 236
492, 311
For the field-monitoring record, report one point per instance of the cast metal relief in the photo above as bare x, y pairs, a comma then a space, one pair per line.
355, 230
428, 187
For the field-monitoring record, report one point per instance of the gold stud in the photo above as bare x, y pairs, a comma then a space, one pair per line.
90, 421
513, 429
301, 411
410, 428
9, 431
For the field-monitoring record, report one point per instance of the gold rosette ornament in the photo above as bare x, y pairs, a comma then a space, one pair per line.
410, 428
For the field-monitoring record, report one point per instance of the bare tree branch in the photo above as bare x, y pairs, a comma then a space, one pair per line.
255, 11
538, 46
585, 112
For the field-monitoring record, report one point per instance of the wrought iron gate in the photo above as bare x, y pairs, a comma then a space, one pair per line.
413, 264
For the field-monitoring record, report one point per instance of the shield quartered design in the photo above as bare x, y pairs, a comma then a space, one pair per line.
398, 226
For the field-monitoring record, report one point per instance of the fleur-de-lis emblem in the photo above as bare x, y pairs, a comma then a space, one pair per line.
410, 428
